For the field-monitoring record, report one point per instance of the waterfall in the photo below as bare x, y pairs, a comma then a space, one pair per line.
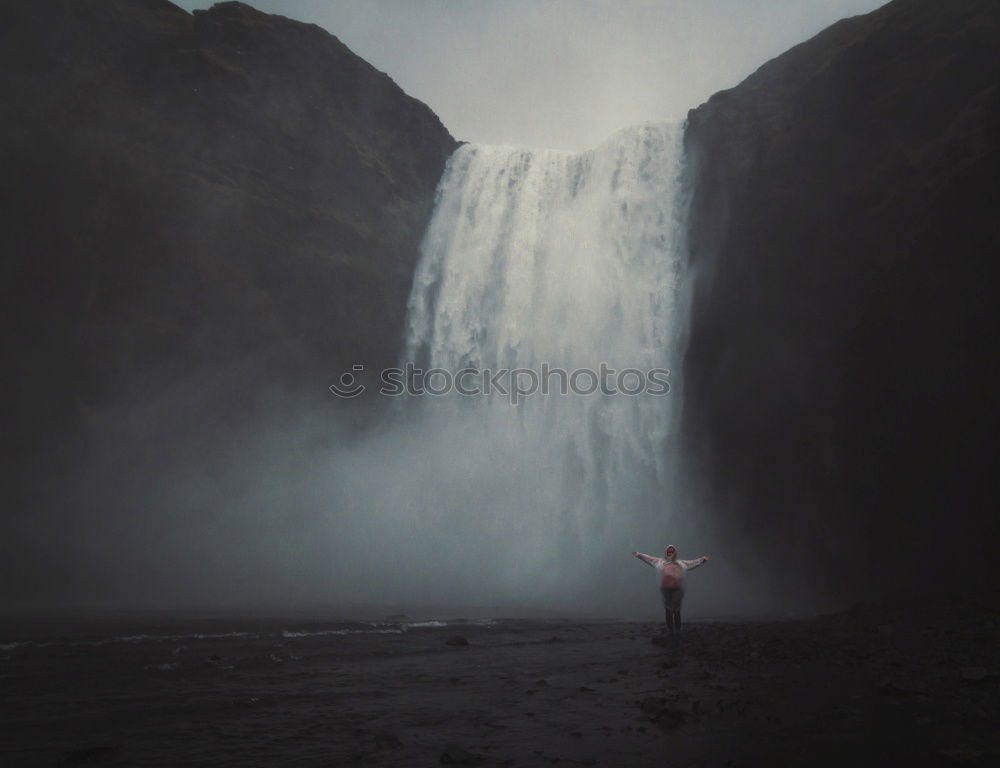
543, 255
570, 260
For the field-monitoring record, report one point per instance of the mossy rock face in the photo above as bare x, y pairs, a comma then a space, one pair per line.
844, 230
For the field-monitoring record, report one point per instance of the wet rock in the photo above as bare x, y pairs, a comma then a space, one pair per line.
387, 740
652, 705
975, 674
458, 640
901, 687
669, 713
88, 755
961, 755
456, 755
669, 719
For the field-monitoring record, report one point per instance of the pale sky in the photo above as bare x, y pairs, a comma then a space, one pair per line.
563, 73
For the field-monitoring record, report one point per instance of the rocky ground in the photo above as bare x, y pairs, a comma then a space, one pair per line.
869, 687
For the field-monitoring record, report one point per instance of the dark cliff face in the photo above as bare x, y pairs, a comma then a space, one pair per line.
184, 192
206, 218
840, 387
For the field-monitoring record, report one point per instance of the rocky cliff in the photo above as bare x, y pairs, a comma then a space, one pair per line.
212, 214
187, 193
840, 395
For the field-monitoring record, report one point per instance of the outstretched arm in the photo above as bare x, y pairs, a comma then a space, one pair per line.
646, 558
689, 564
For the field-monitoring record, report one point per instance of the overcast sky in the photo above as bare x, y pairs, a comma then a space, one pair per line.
563, 73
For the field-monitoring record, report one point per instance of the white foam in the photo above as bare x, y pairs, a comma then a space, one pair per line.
328, 632
420, 624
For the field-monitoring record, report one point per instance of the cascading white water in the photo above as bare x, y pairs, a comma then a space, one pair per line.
537, 257
544, 255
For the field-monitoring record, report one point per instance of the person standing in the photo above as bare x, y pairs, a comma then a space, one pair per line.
672, 573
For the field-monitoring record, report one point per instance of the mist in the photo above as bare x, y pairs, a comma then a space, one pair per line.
427, 512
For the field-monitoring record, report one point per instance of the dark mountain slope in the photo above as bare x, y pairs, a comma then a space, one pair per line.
841, 376
185, 191
206, 218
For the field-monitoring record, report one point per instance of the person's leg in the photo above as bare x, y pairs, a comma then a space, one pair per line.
671, 603
677, 621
